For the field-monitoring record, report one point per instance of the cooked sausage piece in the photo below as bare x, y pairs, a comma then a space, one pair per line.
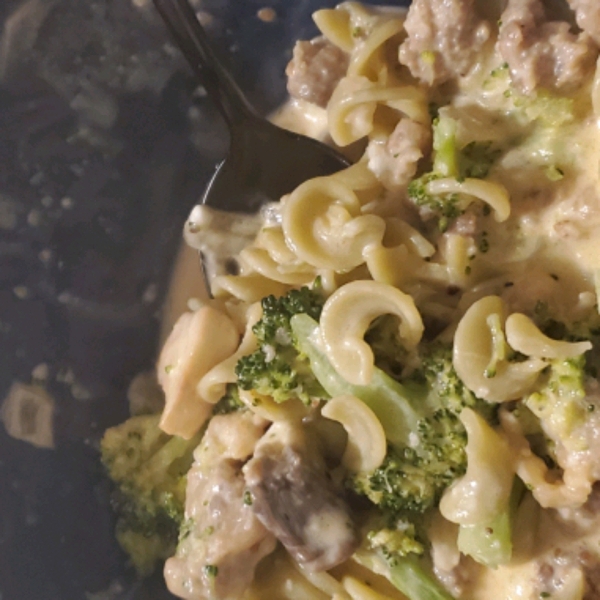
315, 69
444, 39
395, 159
541, 53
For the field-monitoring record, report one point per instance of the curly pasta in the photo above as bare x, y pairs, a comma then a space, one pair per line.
487, 484
480, 354
524, 336
367, 445
322, 223
212, 386
346, 316
352, 108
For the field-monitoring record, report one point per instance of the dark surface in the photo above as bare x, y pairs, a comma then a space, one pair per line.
96, 265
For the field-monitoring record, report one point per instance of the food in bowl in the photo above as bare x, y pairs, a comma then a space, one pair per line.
394, 393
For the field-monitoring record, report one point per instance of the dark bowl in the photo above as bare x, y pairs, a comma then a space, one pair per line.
105, 144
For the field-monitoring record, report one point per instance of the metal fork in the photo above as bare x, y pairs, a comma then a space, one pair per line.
264, 161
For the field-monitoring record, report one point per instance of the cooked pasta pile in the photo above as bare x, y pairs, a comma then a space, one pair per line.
394, 393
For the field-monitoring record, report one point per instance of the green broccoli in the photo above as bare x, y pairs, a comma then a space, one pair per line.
561, 416
278, 369
420, 418
414, 580
561, 403
397, 549
414, 476
475, 159
545, 108
230, 402
149, 469
399, 541
445, 158
407, 572
383, 336
581, 330
446, 207
490, 543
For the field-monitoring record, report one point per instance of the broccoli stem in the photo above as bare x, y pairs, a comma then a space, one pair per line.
398, 407
444, 144
407, 574
491, 543
415, 582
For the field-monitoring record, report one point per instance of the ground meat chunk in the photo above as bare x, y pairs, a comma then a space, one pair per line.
585, 553
569, 569
542, 53
394, 160
315, 69
560, 575
444, 39
296, 500
587, 14
224, 542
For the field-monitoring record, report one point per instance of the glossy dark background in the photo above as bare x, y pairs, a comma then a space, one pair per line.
95, 109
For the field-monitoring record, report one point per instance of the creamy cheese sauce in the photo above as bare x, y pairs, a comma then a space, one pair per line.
558, 228
559, 217
544, 248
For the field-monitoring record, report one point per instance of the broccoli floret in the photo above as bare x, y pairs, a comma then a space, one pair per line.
149, 469
230, 402
548, 109
413, 477
397, 550
409, 574
399, 541
476, 159
437, 373
581, 330
561, 404
557, 412
414, 581
274, 326
445, 159
278, 369
576, 331
446, 207
383, 336
473, 160
420, 417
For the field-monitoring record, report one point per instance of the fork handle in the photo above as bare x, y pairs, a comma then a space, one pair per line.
190, 36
